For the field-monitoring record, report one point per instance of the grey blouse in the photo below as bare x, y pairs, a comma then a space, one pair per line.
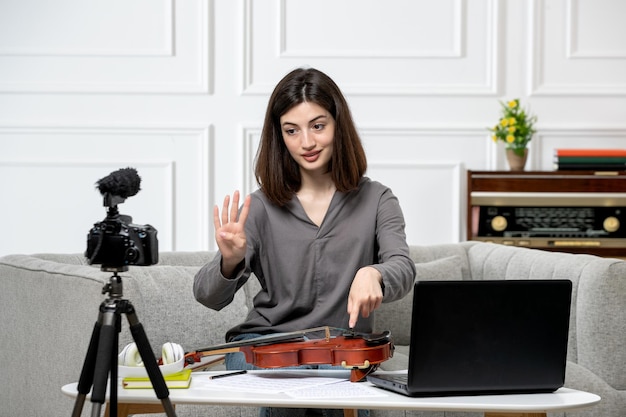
305, 271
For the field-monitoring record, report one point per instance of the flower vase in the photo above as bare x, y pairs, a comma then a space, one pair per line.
516, 161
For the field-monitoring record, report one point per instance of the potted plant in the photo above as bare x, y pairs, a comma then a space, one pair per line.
515, 129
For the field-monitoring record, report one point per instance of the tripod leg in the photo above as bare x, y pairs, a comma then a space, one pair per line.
149, 360
113, 380
86, 375
103, 364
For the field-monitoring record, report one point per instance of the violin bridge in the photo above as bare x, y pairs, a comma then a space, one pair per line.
317, 330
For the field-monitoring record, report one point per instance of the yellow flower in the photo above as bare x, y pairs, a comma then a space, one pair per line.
515, 126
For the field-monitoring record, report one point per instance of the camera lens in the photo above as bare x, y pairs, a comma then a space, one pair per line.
131, 254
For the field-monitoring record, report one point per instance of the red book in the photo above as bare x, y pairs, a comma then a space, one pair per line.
590, 152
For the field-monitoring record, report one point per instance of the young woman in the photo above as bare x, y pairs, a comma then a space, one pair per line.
326, 243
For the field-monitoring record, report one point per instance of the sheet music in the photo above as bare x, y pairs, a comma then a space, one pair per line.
343, 389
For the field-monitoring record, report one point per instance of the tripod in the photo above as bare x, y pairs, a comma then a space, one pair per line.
101, 358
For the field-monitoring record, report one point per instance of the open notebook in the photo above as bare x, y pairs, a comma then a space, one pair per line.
485, 337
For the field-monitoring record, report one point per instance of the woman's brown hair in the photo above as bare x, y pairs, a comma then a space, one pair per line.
276, 172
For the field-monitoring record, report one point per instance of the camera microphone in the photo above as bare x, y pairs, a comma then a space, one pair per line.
123, 183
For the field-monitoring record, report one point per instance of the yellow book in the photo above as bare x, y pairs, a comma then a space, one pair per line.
180, 379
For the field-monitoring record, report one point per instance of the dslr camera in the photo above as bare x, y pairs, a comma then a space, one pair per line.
116, 242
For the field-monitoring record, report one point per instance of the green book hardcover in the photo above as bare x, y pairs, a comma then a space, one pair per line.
180, 379
591, 160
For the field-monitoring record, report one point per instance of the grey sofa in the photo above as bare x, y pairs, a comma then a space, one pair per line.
50, 303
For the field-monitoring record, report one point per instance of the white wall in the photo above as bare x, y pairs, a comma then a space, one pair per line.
178, 89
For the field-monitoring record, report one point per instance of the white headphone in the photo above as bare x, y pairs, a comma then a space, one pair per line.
170, 353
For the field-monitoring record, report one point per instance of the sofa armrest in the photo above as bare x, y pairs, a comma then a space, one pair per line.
48, 317
601, 321
598, 315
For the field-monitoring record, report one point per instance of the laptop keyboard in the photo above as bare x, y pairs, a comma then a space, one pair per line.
398, 378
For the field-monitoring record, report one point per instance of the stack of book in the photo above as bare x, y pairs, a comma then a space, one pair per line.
590, 159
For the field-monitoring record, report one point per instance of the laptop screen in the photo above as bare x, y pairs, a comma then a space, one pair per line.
489, 336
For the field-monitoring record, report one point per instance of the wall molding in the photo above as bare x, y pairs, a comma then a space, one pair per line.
537, 84
456, 51
200, 174
166, 49
492, 65
456, 191
172, 68
573, 50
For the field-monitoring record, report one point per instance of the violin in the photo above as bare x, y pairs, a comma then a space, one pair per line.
361, 353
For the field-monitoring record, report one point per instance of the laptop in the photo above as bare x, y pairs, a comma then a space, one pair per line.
485, 337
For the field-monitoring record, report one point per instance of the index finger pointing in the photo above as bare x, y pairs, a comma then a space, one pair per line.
354, 316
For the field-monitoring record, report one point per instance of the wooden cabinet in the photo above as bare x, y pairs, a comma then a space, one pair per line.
569, 211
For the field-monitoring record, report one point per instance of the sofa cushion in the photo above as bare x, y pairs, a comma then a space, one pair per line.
163, 298
396, 316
